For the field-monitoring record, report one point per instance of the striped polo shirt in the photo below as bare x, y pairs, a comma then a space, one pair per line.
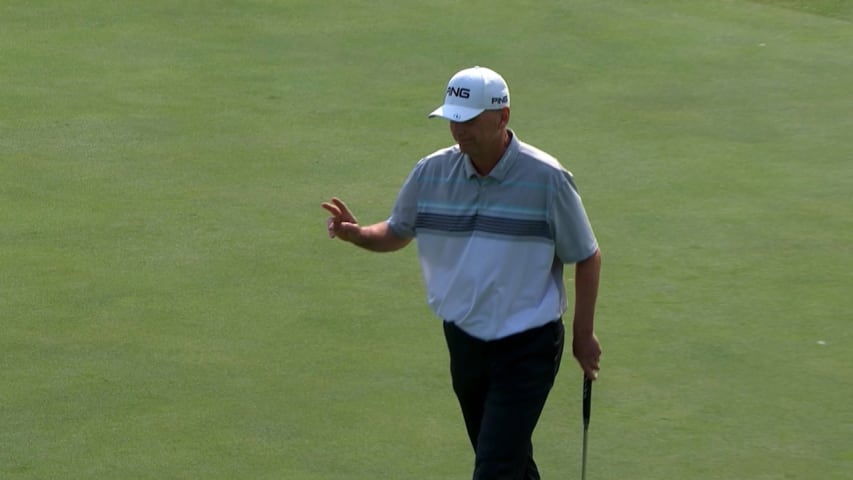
492, 248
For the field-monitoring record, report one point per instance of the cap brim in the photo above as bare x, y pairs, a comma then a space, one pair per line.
456, 113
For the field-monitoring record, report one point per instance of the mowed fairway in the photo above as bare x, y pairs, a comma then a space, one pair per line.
170, 306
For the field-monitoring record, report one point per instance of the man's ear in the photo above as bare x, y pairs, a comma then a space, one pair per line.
504, 117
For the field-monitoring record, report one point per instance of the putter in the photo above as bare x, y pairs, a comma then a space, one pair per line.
587, 402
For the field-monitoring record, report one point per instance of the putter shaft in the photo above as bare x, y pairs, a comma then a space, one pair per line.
586, 411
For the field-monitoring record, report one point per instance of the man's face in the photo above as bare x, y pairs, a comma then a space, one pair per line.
480, 134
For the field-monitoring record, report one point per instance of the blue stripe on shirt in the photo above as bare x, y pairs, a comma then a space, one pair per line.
482, 223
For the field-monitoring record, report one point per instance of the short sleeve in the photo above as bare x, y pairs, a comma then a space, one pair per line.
404, 213
574, 239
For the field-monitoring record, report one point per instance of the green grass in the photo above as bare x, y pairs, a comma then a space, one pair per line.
171, 308
830, 8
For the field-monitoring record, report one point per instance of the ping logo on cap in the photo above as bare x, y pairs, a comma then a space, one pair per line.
460, 92
500, 100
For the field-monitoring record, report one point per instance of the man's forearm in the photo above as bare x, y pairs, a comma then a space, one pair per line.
379, 238
586, 293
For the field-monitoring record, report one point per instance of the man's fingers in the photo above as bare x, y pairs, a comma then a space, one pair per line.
345, 213
590, 369
340, 204
333, 209
339, 210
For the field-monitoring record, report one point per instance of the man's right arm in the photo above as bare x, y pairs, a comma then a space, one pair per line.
377, 237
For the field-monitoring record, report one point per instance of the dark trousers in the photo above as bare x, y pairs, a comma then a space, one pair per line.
502, 386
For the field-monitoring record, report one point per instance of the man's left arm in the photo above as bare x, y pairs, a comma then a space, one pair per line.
576, 243
585, 346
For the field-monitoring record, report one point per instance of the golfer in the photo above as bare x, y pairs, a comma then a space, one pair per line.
495, 221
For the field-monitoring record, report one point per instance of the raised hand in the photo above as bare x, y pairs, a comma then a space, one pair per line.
342, 223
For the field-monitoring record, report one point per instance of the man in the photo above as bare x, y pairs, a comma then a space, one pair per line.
495, 221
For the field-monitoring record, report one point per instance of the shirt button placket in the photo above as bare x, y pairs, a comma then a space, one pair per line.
481, 193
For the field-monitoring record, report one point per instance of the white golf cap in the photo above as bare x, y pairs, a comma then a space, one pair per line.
472, 91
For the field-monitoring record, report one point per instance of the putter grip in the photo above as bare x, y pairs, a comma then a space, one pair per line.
587, 400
